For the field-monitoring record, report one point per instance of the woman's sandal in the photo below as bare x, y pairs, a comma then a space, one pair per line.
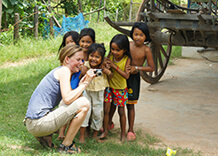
69, 149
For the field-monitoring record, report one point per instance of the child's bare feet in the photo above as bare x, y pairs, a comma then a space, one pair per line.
61, 137
123, 139
82, 139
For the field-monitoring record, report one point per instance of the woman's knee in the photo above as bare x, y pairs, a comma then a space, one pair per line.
84, 104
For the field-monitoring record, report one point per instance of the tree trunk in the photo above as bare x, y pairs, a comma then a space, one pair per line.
104, 9
50, 19
0, 15
79, 6
16, 27
99, 11
36, 22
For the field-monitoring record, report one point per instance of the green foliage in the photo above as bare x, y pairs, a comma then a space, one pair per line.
6, 37
29, 48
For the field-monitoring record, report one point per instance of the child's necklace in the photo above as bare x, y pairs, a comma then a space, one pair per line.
117, 61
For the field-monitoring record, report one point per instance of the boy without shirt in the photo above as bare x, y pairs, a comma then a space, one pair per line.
139, 53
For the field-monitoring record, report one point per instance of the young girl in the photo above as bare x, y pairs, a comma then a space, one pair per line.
139, 52
85, 39
119, 61
95, 90
69, 37
42, 119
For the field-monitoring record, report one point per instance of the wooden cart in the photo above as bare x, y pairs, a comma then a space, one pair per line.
173, 25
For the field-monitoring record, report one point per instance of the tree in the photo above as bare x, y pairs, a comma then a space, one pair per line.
79, 6
0, 15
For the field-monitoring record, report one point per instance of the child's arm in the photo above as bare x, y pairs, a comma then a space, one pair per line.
148, 68
108, 72
106, 69
124, 73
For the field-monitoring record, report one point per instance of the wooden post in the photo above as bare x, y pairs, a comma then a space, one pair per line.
79, 6
36, 22
90, 16
0, 15
99, 11
116, 15
216, 7
152, 5
16, 27
50, 19
130, 11
104, 9
210, 7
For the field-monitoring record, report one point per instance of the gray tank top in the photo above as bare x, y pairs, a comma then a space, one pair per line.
46, 96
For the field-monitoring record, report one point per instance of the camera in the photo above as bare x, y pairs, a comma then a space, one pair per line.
98, 72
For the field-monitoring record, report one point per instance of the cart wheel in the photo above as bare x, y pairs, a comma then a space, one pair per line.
139, 17
161, 58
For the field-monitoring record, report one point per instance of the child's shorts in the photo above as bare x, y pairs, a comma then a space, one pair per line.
107, 95
118, 96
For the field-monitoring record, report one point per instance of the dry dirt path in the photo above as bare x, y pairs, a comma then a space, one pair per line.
182, 109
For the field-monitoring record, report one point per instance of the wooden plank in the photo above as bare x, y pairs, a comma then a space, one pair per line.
192, 1
169, 16
175, 11
124, 31
178, 26
124, 23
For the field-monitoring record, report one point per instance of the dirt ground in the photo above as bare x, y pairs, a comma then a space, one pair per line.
182, 108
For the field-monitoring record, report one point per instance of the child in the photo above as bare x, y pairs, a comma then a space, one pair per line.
119, 61
87, 37
139, 52
95, 91
70, 37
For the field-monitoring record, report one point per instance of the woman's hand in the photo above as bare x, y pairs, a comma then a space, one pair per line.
88, 77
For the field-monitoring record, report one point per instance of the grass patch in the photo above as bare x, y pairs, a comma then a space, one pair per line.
17, 85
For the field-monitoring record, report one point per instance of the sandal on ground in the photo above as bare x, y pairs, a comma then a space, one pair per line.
44, 142
131, 136
72, 149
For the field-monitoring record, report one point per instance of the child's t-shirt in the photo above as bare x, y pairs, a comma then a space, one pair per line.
75, 80
98, 83
118, 81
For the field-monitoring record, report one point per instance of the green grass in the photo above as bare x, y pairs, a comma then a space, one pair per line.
17, 85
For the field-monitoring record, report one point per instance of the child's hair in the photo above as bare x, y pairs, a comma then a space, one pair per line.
122, 42
99, 48
73, 34
68, 51
144, 28
87, 32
